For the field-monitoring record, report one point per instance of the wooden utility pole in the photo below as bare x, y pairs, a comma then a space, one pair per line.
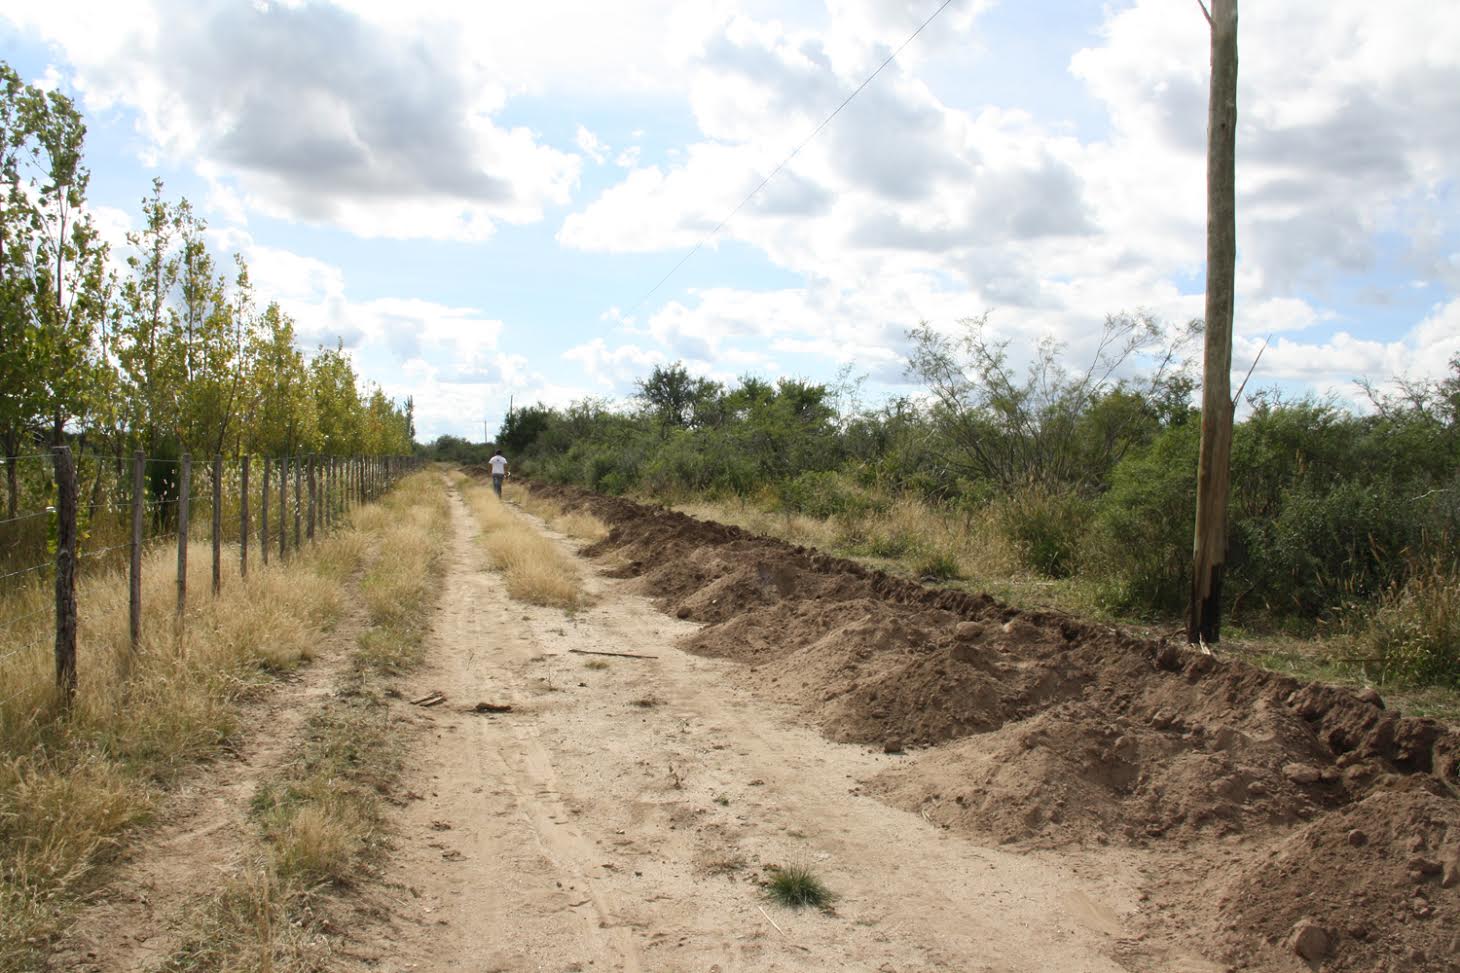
1204, 613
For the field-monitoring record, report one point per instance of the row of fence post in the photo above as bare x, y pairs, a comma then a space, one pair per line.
334, 485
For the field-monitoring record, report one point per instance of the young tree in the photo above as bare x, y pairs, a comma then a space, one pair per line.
674, 396
211, 335
336, 401
1052, 427
284, 416
150, 362
21, 391
52, 292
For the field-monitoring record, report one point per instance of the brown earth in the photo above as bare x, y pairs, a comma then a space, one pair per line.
622, 816
1265, 805
982, 789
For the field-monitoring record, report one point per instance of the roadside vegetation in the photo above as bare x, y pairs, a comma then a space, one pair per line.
165, 348
1068, 485
532, 566
73, 784
321, 818
577, 524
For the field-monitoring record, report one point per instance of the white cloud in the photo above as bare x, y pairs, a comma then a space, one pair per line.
1334, 366
614, 368
591, 145
312, 113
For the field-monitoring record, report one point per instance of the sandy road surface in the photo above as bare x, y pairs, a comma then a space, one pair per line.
621, 818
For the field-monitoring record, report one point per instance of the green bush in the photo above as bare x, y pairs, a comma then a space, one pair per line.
1046, 528
1138, 548
1413, 636
822, 493
1325, 546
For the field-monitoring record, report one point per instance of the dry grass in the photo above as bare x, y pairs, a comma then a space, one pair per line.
73, 784
577, 524
907, 535
321, 817
534, 569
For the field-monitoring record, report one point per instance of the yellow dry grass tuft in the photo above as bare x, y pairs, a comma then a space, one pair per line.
534, 569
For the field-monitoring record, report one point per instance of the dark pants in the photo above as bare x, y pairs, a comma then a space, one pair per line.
497, 483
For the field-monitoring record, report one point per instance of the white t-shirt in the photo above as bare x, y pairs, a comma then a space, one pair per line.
499, 465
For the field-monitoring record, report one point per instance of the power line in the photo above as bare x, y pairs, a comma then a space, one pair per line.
794, 152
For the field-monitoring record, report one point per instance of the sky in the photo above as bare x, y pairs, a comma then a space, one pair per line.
481, 200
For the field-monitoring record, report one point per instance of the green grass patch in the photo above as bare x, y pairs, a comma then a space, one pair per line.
796, 887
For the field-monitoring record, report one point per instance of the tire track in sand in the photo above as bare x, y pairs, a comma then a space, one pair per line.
622, 819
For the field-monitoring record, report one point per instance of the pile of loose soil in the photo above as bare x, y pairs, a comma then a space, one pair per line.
1045, 730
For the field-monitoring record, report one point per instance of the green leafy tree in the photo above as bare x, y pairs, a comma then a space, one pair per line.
1057, 428
151, 365
336, 401
284, 416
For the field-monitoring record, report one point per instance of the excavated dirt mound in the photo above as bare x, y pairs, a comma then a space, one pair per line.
1040, 729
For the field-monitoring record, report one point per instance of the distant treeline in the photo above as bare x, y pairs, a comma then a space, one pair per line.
1084, 474
168, 354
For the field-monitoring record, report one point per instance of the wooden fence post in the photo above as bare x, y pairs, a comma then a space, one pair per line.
243, 520
313, 497
134, 568
283, 508
65, 573
217, 524
264, 514
184, 494
298, 500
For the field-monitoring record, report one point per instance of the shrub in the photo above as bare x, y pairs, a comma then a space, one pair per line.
1138, 548
1045, 527
1326, 545
825, 494
1413, 635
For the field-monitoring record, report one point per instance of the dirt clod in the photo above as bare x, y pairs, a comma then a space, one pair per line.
1311, 941
1301, 774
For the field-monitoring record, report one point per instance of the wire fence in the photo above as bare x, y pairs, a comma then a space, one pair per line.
67, 514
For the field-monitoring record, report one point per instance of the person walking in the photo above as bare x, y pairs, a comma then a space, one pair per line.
499, 471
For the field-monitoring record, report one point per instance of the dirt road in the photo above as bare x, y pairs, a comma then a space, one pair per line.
621, 817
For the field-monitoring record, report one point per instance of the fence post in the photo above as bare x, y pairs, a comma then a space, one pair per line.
298, 500
243, 520
264, 514
184, 494
134, 568
283, 508
313, 497
217, 524
65, 573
